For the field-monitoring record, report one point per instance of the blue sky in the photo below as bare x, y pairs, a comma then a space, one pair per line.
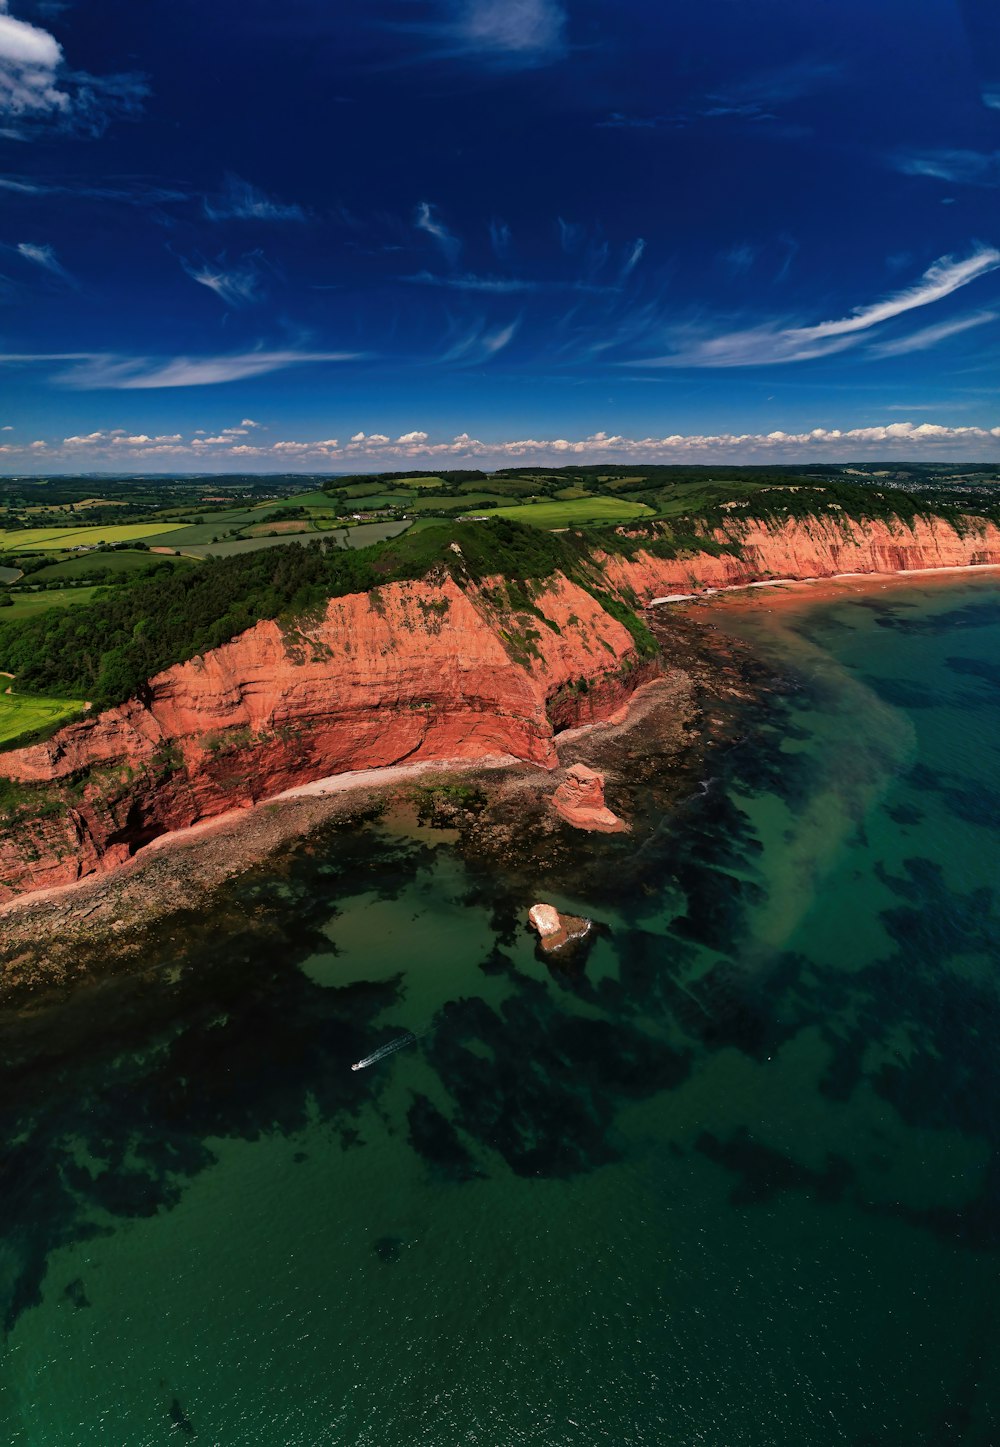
248, 235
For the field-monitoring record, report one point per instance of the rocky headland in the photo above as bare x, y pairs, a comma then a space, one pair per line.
445, 668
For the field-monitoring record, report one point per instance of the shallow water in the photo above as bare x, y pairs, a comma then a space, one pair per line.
735, 1184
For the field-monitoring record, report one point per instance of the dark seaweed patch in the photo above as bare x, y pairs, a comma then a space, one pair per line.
388, 1249
436, 1140
764, 1172
75, 1293
904, 814
545, 1091
180, 1421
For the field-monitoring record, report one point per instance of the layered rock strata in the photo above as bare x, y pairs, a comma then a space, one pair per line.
579, 800
417, 671
811, 547
410, 672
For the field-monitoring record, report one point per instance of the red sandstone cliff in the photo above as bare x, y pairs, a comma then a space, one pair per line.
813, 547
413, 671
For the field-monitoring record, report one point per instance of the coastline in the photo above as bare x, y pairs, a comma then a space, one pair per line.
181, 870
788, 592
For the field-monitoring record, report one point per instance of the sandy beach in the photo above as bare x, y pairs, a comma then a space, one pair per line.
797, 592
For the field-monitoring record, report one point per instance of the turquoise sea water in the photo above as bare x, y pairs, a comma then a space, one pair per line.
736, 1183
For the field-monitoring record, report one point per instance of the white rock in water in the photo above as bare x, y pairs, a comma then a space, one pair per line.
546, 921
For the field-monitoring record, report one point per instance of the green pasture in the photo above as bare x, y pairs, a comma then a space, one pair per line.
445, 503
291, 528
313, 501
25, 605
84, 566
24, 715
420, 525
420, 482
41, 540
575, 514
181, 537
362, 489
378, 499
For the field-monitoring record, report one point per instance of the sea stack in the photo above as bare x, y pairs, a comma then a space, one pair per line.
558, 933
579, 800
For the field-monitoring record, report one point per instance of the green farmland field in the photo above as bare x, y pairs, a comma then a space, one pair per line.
41, 540
453, 504
574, 514
88, 563
25, 605
25, 715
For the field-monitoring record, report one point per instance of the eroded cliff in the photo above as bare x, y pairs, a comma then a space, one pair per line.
811, 547
443, 668
410, 672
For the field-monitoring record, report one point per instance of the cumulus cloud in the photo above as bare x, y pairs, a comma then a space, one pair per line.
239, 201
36, 86
770, 343
29, 60
907, 439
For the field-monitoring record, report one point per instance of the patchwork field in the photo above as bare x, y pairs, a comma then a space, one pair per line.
454, 504
25, 715
574, 514
40, 540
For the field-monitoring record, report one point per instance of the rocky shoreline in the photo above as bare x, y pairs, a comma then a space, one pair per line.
498, 812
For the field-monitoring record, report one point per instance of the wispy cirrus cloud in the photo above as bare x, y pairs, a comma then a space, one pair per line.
505, 34
96, 371
754, 100
237, 285
500, 239
956, 167
38, 90
45, 257
769, 342
495, 285
930, 336
633, 256
425, 219
240, 201
479, 342
132, 191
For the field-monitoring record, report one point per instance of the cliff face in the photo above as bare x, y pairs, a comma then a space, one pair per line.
815, 547
413, 671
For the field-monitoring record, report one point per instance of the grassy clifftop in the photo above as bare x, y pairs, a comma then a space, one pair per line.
107, 649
